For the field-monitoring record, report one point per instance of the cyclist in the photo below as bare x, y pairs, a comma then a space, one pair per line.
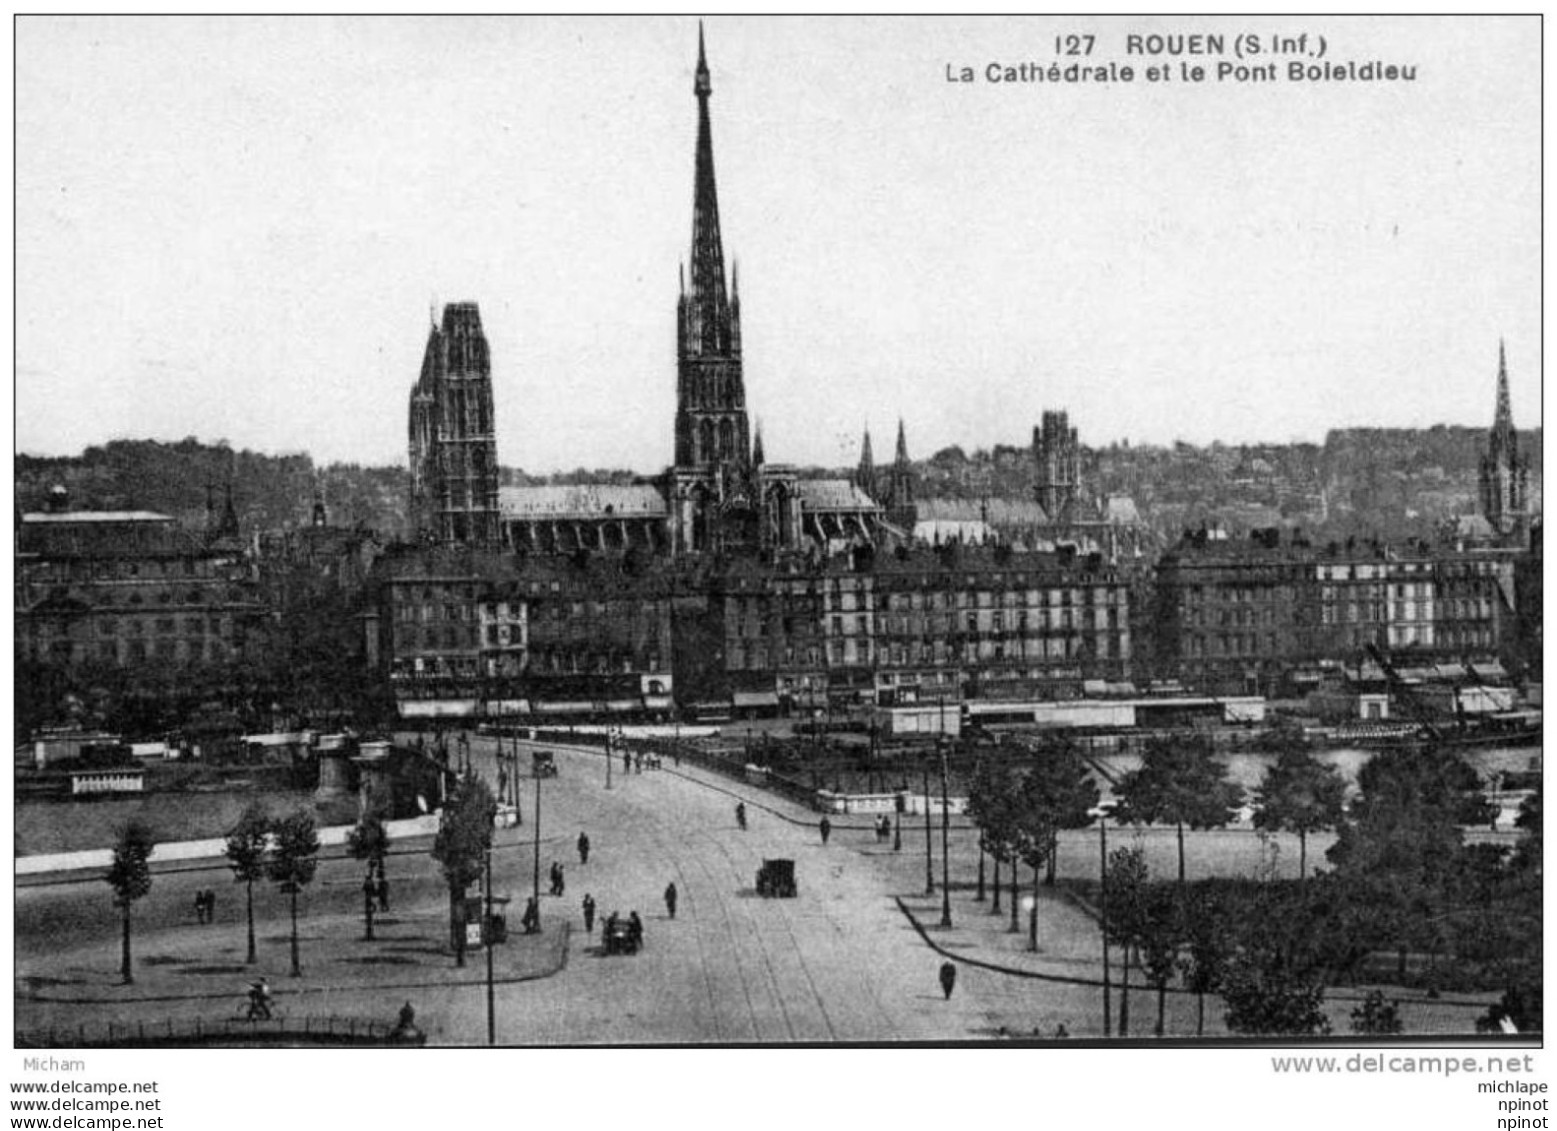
259, 1000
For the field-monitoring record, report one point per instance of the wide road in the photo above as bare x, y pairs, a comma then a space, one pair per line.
836, 964
840, 963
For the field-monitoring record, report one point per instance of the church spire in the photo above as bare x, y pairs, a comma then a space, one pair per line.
865, 477
901, 457
709, 332
1503, 417
757, 458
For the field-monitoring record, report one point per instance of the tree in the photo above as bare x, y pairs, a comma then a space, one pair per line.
1056, 793
246, 848
1124, 914
461, 846
1301, 795
294, 859
1178, 784
1272, 984
1265, 998
1160, 932
1204, 960
1376, 1016
1399, 854
130, 877
369, 841
1528, 853
990, 806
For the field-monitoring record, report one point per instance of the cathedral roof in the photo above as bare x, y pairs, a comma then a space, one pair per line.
587, 501
1000, 512
832, 495
1121, 509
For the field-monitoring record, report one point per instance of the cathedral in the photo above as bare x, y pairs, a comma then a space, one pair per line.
1505, 475
721, 496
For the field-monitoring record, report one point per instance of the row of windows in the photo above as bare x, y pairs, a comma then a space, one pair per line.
135, 651
849, 652
138, 626
966, 599
996, 621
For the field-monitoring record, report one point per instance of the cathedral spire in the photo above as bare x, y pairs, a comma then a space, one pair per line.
865, 477
709, 309
1503, 418
901, 457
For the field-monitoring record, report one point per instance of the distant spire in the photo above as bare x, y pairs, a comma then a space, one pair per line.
901, 457
1503, 417
865, 477
228, 526
757, 458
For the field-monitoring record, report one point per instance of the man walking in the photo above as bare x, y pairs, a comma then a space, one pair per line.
826, 829
583, 848
948, 978
670, 899
589, 914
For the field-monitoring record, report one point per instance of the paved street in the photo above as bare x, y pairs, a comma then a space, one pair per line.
840, 963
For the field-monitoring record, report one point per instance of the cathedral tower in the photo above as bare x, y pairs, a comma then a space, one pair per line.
1505, 476
713, 445
1058, 455
902, 511
453, 438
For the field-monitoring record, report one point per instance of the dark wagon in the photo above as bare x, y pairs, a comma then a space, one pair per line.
777, 878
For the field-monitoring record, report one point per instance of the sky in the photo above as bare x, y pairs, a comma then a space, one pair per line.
237, 228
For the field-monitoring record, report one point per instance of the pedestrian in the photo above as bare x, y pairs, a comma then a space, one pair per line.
670, 898
638, 763
1060, 1032
381, 889
897, 833
589, 914
740, 813
583, 848
551, 875
532, 917
627, 761
948, 978
635, 929
826, 829
561, 885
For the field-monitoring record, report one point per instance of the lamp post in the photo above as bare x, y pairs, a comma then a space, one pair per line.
1102, 842
514, 777
486, 927
929, 835
537, 875
946, 919
610, 757
979, 896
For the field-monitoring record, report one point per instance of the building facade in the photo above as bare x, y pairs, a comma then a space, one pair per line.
453, 450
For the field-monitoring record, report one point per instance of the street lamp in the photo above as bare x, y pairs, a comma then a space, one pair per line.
946, 919
1102, 843
537, 877
486, 928
610, 757
929, 835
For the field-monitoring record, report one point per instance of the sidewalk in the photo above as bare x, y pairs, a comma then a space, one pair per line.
190, 973
213, 849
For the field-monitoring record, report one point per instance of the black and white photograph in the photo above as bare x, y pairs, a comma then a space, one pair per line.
585, 533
